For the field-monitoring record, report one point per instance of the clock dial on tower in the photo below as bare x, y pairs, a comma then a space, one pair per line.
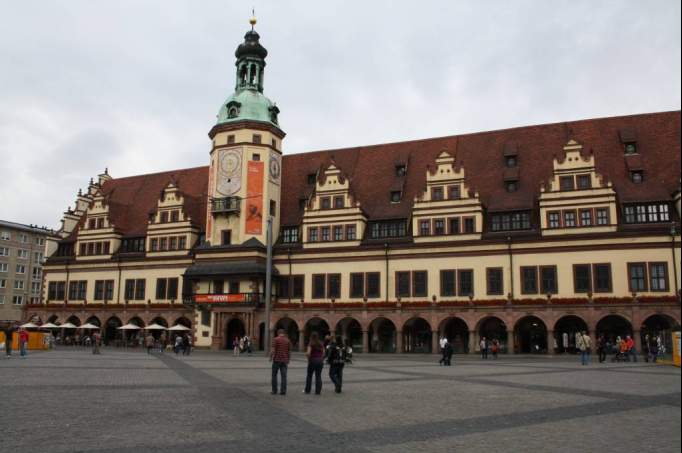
229, 175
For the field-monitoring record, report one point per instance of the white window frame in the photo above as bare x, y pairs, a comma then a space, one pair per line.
18, 298
3, 283
19, 284
22, 254
5, 251
5, 235
22, 267
3, 267
2, 299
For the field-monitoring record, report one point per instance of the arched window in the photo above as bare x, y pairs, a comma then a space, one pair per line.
232, 112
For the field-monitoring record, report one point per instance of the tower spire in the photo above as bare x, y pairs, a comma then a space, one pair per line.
253, 20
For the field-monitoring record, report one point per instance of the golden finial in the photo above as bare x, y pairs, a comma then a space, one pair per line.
253, 20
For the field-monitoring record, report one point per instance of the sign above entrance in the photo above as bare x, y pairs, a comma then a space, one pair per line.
219, 298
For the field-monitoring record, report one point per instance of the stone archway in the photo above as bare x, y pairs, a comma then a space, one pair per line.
315, 324
234, 330
565, 330
111, 334
613, 327
659, 327
94, 320
291, 329
530, 335
416, 336
382, 335
183, 321
493, 328
350, 331
457, 332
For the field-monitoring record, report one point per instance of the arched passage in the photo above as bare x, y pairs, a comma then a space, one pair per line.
75, 320
291, 328
382, 335
94, 320
53, 319
457, 333
137, 321
183, 322
71, 336
493, 328
612, 327
234, 331
565, 330
318, 325
659, 327
417, 336
350, 330
160, 321
111, 332
530, 335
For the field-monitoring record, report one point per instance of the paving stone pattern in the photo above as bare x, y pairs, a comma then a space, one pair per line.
128, 401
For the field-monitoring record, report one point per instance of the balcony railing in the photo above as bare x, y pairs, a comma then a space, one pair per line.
236, 299
225, 205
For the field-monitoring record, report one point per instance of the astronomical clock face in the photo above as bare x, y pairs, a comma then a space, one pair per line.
229, 174
275, 168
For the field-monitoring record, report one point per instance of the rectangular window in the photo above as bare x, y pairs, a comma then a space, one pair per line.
338, 233
98, 248
284, 287
566, 183
5, 235
373, 285
273, 208
91, 248
154, 244
569, 219
436, 193
22, 253
161, 286
172, 289
510, 221
640, 214
350, 232
548, 280
3, 283
602, 278
182, 242
454, 225
357, 285
3, 267
20, 269
333, 286
529, 280
585, 217
19, 284
319, 286
312, 234
582, 278
92, 224
658, 276
233, 287
175, 216
99, 289
554, 219
469, 226
297, 286
637, 277
325, 203
256, 138
584, 181
454, 192
4, 251
129, 289
465, 281
230, 139
289, 235
448, 283
338, 202
173, 243
324, 233
402, 284
18, 300
419, 284
163, 217
439, 226
218, 287
108, 289
602, 216
494, 281
424, 227
140, 285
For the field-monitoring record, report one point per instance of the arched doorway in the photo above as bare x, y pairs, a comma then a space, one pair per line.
318, 325
235, 329
382, 335
350, 330
71, 336
659, 327
565, 330
94, 320
290, 328
493, 328
137, 321
417, 336
457, 333
612, 327
160, 321
183, 322
530, 335
111, 332
75, 320
53, 319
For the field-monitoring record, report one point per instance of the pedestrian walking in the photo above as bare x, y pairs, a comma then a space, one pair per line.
448, 353
601, 348
443, 352
484, 348
235, 346
631, 351
149, 343
188, 344
336, 359
162, 342
9, 334
315, 355
23, 343
178, 344
653, 350
247, 344
583, 343
279, 355
495, 347
96, 342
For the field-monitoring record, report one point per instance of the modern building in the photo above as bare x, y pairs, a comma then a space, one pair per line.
524, 235
22, 254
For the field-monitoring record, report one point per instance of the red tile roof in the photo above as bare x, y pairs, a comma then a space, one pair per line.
371, 169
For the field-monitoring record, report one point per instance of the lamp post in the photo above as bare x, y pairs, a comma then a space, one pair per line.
268, 285
673, 232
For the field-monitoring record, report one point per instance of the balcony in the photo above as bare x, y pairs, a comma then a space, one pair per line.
225, 205
223, 300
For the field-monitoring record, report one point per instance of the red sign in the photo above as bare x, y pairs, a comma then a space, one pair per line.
254, 198
219, 298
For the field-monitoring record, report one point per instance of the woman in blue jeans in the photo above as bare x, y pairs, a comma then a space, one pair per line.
315, 354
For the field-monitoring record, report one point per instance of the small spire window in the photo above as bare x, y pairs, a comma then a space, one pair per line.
512, 186
631, 148
395, 196
637, 176
400, 170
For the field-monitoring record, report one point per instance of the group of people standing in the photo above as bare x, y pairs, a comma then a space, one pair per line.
23, 341
241, 345
332, 349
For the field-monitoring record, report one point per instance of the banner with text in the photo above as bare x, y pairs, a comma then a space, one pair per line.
254, 198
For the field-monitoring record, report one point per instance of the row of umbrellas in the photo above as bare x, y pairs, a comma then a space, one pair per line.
129, 326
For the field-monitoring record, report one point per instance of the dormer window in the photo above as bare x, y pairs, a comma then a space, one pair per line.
512, 186
325, 203
233, 112
631, 148
400, 170
312, 177
436, 193
584, 181
395, 196
175, 216
637, 176
510, 161
566, 183
91, 224
338, 202
164, 217
454, 192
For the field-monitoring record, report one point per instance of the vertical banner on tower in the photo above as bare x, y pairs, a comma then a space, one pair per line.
254, 198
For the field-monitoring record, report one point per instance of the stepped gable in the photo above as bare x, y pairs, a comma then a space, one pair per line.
371, 168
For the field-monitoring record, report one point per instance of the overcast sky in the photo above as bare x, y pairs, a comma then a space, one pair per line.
135, 85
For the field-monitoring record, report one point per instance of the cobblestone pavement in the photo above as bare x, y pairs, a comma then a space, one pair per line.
128, 401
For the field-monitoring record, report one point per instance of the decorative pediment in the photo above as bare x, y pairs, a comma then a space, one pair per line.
575, 166
444, 180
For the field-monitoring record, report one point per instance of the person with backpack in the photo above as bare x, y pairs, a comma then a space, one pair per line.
315, 355
443, 351
584, 344
336, 359
448, 353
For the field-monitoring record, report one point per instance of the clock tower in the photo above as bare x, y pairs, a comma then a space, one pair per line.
245, 173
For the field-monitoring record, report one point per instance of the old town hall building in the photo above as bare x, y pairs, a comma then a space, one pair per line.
526, 235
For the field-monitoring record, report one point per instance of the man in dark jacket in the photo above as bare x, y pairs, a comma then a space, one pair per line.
336, 359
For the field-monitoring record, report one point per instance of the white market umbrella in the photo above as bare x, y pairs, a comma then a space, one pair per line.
28, 325
179, 327
129, 327
49, 325
88, 326
68, 325
154, 327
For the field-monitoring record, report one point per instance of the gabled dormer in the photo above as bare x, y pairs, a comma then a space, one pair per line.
97, 236
447, 209
577, 199
332, 215
170, 230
